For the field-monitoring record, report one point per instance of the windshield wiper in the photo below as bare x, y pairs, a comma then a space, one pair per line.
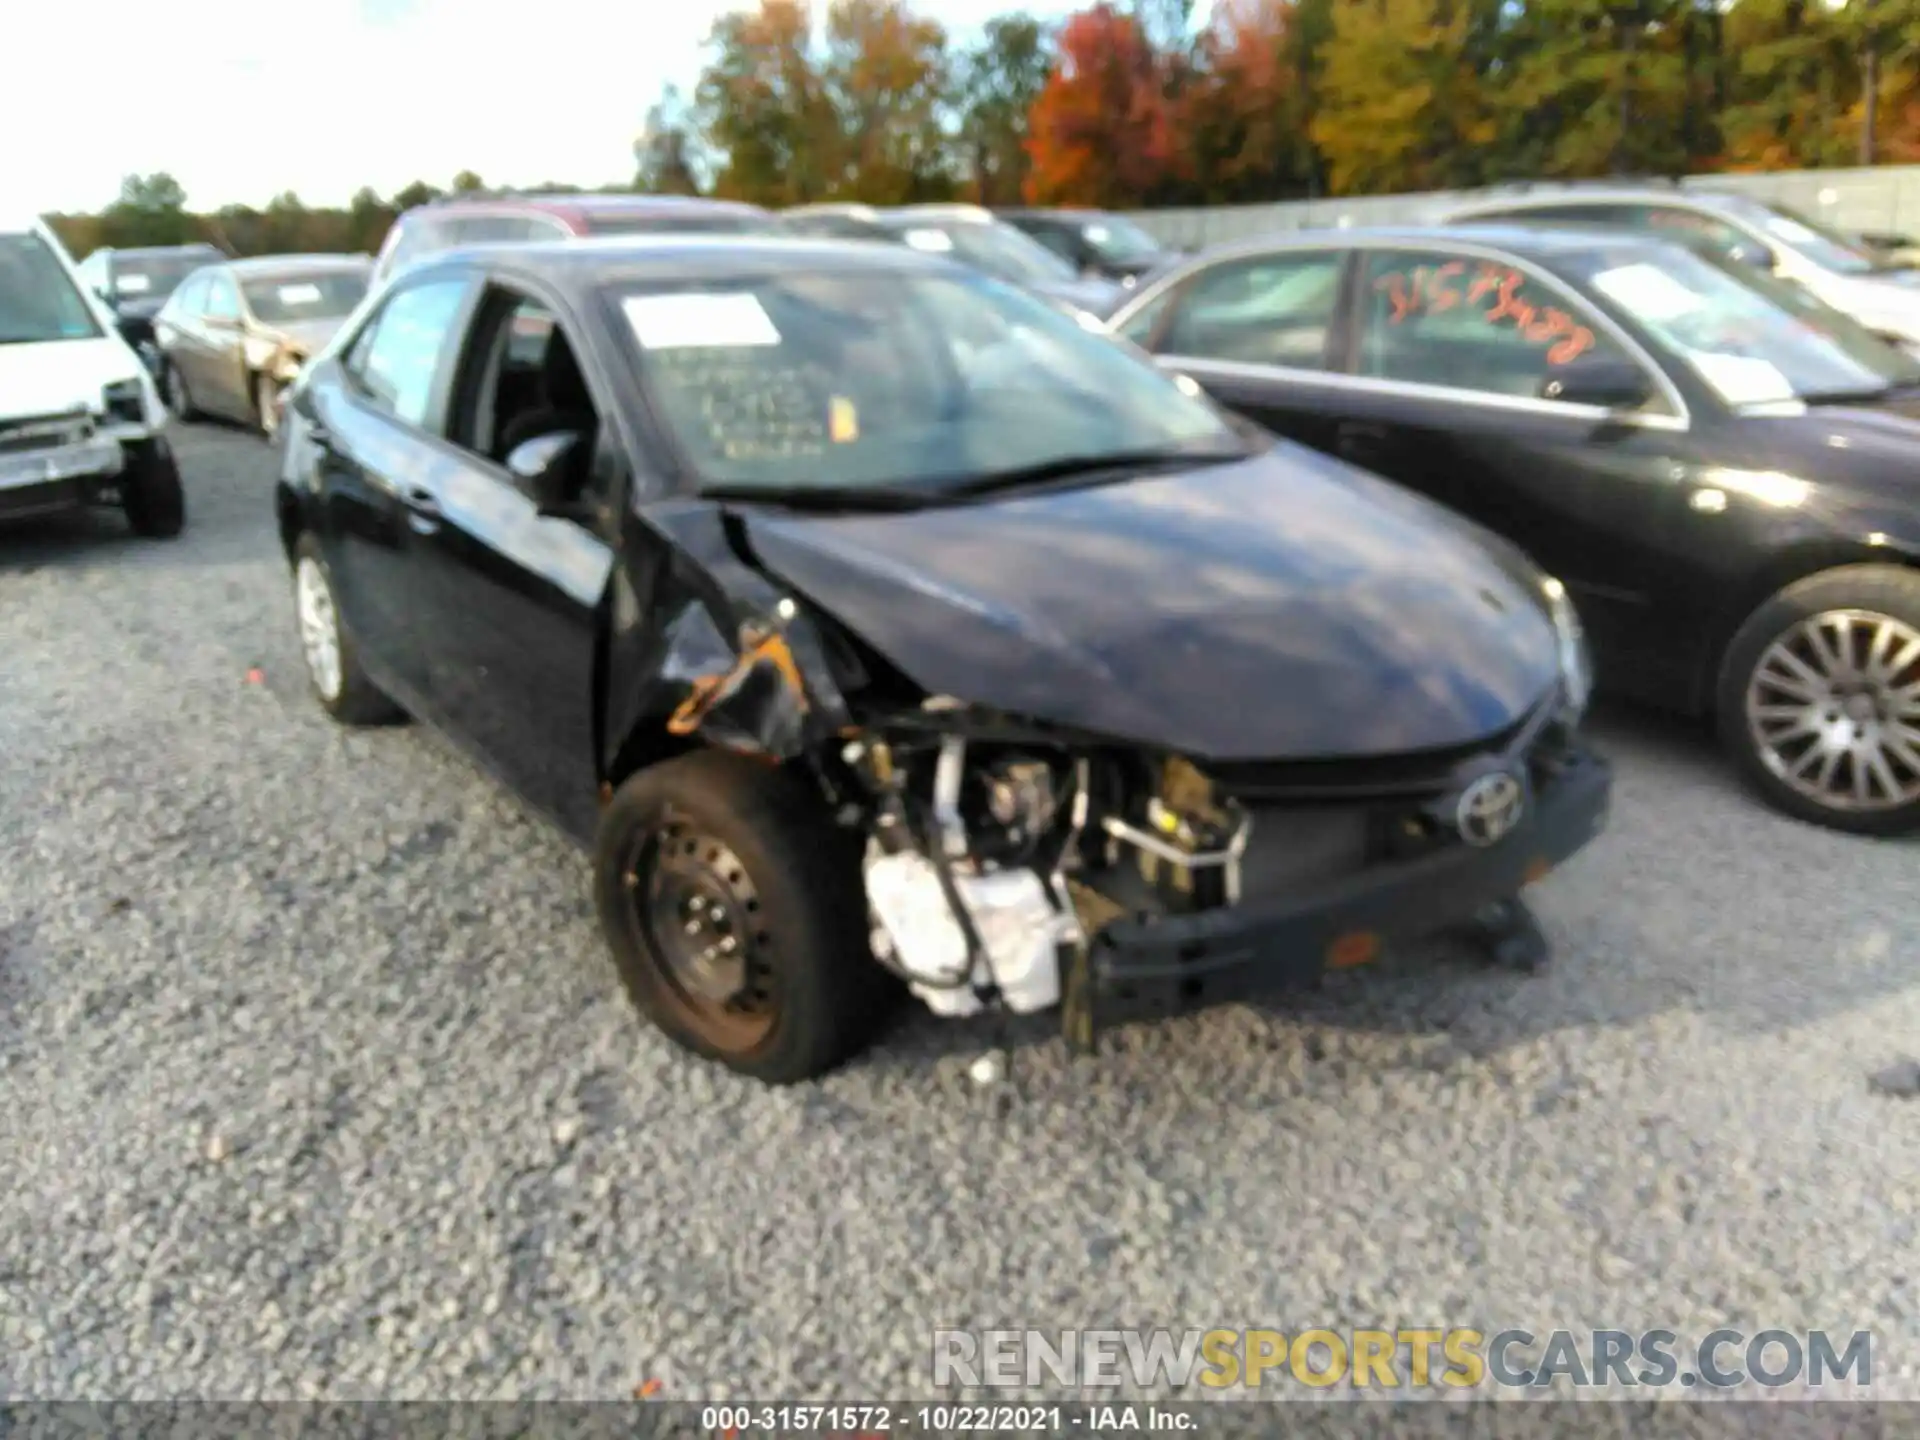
1848, 397
1117, 464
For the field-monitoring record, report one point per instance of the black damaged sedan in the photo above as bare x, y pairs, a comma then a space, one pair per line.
879, 626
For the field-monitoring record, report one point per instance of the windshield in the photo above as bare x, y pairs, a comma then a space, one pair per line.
316, 295
717, 223
999, 250
1120, 240
1828, 248
38, 299
154, 277
1751, 345
900, 383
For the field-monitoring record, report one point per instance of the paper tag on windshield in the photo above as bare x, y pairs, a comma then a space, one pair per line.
133, 284
692, 321
1742, 381
843, 421
938, 241
299, 294
1648, 291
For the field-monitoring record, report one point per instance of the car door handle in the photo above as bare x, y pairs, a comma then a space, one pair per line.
423, 509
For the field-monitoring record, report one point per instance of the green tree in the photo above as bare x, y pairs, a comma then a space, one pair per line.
1594, 87
886, 76
468, 183
151, 210
1402, 98
764, 105
1792, 85
663, 156
997, 82
412, 196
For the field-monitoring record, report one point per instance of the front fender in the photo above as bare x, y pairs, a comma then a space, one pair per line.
704, 649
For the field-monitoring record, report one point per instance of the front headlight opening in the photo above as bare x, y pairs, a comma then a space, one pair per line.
1576, 661
124, 400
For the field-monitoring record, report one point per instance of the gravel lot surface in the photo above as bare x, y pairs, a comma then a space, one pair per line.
316, 1082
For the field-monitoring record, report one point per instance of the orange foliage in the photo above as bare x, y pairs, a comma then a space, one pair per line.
1100, 134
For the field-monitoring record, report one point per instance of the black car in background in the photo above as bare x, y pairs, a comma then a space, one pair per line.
1094, 242
880, 625
966, 233
1725, 474
135, 283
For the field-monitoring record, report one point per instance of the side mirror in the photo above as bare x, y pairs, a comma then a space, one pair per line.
1749, 252
546, 468
1603, 380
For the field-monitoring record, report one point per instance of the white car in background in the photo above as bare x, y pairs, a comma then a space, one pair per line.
1879, 291
80, 421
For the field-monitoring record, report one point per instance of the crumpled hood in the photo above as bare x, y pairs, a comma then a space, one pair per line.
58, 376
1284, 606
307, 336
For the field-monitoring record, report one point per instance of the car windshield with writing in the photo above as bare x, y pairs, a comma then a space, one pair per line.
999, 250
887, 388
1749, 347
38, 299
316, 295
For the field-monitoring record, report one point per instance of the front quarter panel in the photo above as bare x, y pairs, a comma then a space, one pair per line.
703, 648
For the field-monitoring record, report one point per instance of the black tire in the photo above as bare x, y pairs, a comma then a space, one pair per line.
353, 699
150, 490
173, 389
804, 913
1878, 593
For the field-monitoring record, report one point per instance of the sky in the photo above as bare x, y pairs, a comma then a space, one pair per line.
243, 99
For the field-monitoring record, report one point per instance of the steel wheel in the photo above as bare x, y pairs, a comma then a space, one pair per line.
319, 627
1833, 709
698, 915
178, 401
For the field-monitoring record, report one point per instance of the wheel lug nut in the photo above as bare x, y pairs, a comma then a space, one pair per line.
729, 945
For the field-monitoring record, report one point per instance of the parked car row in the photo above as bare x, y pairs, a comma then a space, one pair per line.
884, 622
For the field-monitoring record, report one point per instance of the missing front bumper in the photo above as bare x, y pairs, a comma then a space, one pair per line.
1134, 969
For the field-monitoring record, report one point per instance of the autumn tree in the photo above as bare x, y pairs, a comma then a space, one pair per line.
997, 83
764, 105
1101, 133
886, 77
1244, 118
1792, 85
1403, 102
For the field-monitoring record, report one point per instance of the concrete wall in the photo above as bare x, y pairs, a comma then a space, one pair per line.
1885, 197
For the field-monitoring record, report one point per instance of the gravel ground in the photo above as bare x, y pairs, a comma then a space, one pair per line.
317, 1083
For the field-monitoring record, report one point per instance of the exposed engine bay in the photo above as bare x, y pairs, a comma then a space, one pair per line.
992, 859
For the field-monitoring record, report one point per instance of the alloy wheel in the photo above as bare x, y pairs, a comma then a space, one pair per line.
319, 627
699, 912
176, 391
1833, 708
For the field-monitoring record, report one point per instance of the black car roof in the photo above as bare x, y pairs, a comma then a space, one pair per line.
580, 265
1521, 239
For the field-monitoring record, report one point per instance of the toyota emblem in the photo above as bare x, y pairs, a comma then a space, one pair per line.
1489, 808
